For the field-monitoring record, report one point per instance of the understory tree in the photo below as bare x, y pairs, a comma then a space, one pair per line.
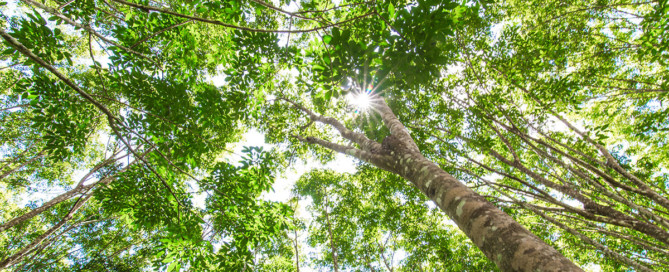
515, 135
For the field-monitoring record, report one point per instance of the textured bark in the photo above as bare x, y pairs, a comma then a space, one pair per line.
590, 241
500, 238
503, 240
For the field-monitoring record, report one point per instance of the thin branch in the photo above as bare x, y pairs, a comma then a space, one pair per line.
291, 14
71, 22
66, 4
158, 33
15, 107
216, 22
351, 151
333, 8
358, 138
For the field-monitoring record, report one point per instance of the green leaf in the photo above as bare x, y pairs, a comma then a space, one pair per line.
391, 11
171, 266
328, 95
327, 39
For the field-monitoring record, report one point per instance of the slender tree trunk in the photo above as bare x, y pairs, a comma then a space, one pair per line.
368, 262
385, 261
18, 256
10, 171
295, 241
44, 245
333, 249
297, 252
610, 161
48, 205
420, 267
81, 188
614, 216
6, 163
121, 250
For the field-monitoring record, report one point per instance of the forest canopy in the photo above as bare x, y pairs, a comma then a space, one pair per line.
484, 135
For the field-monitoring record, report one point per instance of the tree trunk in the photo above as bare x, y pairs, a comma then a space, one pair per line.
503, 240
48, 205
10, 171
500, 238
382, 249
80, 188
333, 249
297, 252
368, 263
18, 256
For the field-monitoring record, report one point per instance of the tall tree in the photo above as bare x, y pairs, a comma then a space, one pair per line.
457, 95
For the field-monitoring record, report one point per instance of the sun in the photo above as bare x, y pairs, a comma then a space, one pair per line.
361, 100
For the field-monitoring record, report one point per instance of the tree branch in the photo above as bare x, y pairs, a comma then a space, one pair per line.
365, 143
216, 22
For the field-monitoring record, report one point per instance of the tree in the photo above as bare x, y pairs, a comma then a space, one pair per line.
461, 95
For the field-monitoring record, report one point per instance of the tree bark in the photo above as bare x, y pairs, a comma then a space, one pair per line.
503, 240
500, 238
48, 205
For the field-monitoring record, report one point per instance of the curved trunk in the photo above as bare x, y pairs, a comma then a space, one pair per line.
503, 240
48, 205
79, 189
